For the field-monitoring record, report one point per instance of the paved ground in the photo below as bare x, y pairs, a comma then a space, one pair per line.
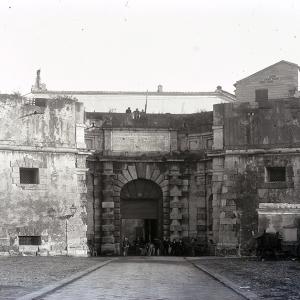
146, 278
20, 275
268, 279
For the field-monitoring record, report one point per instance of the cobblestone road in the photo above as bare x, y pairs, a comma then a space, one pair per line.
146, 278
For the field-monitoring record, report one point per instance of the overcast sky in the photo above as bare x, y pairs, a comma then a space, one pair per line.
184, 45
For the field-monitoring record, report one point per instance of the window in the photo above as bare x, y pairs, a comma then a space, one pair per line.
29, 175
30, 240
209, 144
292, 92
261, 94
40, 102
209, 179
275, 174
89, 143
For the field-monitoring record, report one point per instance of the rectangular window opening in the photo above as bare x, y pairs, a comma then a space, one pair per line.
89, 143
209, 144
29, 175
276, 174
261, 94
40, 102
33, 240
209, 179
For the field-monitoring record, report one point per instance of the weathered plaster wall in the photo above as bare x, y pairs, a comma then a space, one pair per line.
44, 138
245, 186
267, 124
240, 180
152, 133
29, 125
24, 208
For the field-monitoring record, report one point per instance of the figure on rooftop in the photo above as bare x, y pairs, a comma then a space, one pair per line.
136, 114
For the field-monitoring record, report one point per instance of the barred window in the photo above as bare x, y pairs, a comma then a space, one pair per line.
29, 175
275, 174
30, 240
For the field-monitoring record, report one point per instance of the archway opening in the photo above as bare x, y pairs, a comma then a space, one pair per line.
141, 211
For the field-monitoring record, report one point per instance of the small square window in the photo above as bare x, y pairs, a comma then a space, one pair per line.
34, 240
29, 175
276, 174
261, 94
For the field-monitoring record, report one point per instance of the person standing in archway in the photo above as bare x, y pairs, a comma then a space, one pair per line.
166, 245
125, 246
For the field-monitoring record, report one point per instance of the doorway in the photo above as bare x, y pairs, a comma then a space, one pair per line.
151, 230
141, 211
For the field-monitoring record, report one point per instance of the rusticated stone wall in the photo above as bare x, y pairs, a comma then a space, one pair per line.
179, 201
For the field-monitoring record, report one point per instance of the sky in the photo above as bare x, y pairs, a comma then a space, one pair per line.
134, 45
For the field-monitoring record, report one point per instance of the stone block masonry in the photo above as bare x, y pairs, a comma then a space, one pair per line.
42, 175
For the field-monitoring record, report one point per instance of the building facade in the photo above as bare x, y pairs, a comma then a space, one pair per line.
42, 166
149, 177
278, 81
76, 182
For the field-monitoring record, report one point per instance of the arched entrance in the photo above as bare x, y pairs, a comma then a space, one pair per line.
141, 210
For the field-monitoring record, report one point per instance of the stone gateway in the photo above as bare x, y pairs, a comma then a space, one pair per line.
75, 182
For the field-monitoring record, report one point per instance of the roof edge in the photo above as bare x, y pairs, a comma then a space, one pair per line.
279, 62
218, 93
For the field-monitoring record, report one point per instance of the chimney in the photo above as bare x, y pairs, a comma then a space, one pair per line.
159, 88
38, 86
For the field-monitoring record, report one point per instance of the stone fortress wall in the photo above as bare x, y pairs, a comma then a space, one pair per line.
222, 175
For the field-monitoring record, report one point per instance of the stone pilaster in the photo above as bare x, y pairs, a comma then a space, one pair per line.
201, 203
107, 206
166, 211
217, 184
97, 211
175, 204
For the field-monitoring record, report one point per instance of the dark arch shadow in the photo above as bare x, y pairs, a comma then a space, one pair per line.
141, 210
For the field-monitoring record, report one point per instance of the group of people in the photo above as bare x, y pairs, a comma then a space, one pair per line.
136, 114
157, 247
